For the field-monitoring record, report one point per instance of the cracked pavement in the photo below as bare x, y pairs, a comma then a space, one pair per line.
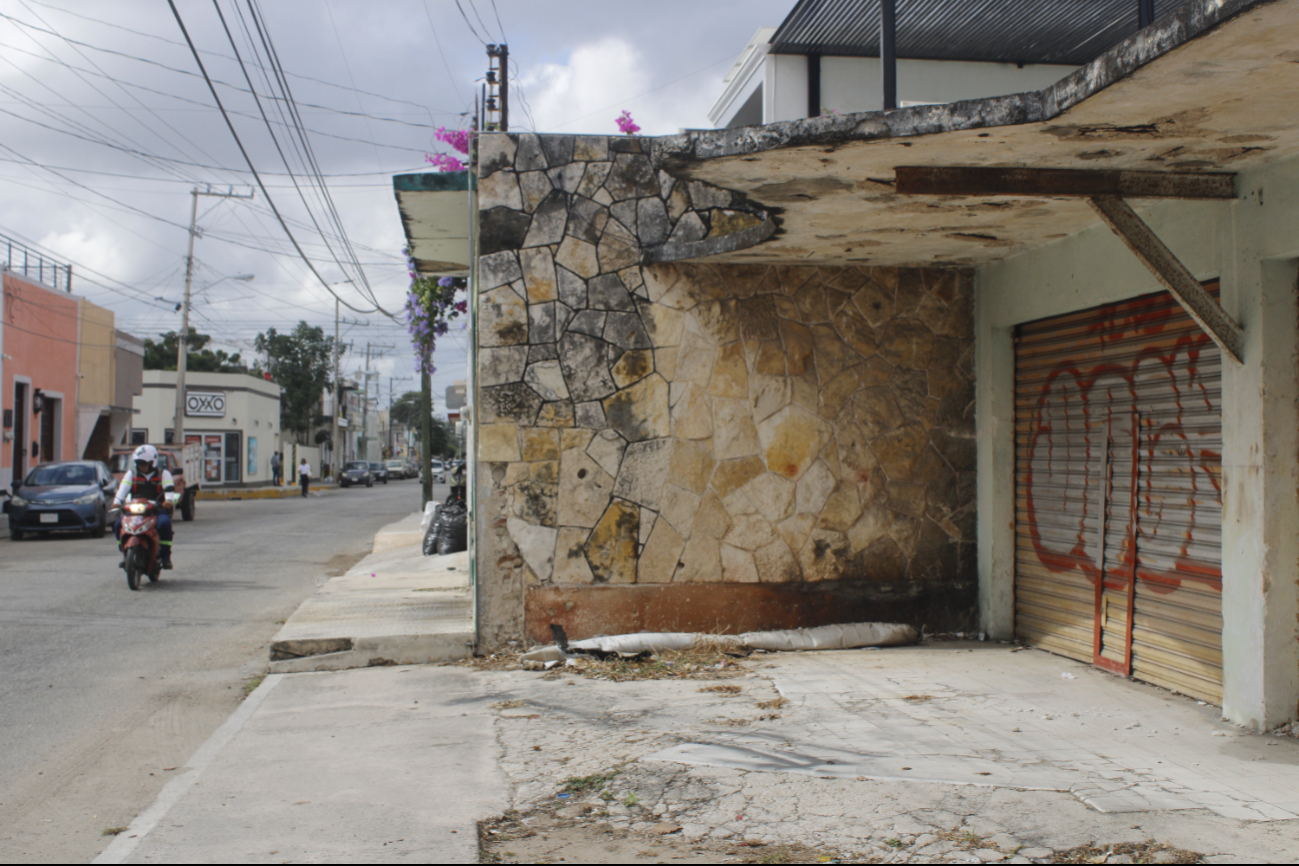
947, 751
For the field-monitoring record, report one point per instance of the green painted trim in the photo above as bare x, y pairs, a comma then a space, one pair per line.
432, 181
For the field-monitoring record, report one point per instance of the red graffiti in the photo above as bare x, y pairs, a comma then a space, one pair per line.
1117, 431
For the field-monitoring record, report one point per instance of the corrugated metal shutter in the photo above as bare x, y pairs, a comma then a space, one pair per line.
1118, 472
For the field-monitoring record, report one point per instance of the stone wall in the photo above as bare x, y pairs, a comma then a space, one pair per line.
673, 446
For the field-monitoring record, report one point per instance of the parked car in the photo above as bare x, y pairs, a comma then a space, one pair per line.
74, 496
379, 471
184, 462
396, 468
439, 471
356, 472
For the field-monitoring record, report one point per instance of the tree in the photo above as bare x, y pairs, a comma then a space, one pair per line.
301, 362
162, 355
405, 410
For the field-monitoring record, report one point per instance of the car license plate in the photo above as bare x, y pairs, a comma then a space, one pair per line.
50, 517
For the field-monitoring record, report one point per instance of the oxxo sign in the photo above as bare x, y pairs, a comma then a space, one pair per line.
205, 404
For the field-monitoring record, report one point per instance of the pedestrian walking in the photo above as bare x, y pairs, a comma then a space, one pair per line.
277, 470
304, 474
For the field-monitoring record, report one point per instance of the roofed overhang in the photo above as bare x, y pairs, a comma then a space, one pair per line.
435, 211
1209, 88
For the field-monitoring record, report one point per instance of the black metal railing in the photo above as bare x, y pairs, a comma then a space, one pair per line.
22, 259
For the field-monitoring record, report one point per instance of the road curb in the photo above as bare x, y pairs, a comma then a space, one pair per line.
258, 493
125, 843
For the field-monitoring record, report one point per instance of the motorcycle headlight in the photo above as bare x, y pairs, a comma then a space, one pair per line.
137, 508
88, 499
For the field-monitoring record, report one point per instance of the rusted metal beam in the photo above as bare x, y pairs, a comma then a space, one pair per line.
1169, 270
977, 180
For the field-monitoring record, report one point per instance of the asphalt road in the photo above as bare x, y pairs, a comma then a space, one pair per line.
102, 689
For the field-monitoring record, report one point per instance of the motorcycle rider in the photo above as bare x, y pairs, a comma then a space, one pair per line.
146, 481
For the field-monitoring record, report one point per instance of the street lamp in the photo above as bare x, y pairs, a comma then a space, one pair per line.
182, 353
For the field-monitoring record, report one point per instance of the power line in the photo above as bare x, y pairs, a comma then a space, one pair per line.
229, 123
469, 24
438, 41
227, 57
273, 58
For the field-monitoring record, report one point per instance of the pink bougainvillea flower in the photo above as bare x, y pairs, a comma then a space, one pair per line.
444, 162
626, 124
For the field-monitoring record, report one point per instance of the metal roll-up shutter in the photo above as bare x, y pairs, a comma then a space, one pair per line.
1118, 431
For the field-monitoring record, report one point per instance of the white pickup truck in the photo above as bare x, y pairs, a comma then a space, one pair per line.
184, 462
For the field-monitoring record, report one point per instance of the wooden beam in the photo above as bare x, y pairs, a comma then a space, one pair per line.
1169, 270
973, 180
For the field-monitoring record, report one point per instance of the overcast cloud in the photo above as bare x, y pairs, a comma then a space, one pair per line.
107, 126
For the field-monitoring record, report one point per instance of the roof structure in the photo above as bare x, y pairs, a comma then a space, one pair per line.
1069, 32
1207, 88
435, 210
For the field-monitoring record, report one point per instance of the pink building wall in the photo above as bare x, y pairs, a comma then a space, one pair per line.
40, 342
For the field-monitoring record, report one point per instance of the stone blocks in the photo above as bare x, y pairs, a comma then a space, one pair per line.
692, 423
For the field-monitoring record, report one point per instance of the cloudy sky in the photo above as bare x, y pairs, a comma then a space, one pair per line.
107, 125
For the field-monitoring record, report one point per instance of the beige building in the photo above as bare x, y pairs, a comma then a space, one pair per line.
234, 416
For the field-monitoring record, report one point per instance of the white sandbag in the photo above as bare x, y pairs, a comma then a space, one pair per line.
638, 643
846, 636
853, 634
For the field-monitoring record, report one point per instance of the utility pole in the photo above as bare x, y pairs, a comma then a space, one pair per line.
365, 406
335, 404
426, 431
182, 344
392, 379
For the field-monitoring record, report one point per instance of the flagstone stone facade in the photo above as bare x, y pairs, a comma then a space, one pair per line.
669, 442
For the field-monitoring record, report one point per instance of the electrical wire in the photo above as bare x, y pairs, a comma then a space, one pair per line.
273, 59
227, 57
229, 123
469, 24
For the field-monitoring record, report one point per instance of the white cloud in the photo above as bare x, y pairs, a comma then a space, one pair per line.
599, 80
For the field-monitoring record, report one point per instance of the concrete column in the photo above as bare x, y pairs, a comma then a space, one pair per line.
994, 380
1260, 533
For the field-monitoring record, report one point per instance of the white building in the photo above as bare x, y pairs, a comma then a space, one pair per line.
236, 417
780, 76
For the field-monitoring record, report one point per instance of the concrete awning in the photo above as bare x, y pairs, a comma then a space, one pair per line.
435, 211
1210, 88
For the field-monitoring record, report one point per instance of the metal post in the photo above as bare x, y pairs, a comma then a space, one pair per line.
426, 433
814, 85
1145, 13
889, 52
505, 88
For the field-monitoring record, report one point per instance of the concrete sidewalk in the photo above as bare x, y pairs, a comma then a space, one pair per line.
396, 606
376, 765
367, 766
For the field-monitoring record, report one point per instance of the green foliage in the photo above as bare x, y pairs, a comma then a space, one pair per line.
593, 782
405, 410
300, 362
162, 355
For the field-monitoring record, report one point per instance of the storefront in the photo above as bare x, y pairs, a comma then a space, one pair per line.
234, 417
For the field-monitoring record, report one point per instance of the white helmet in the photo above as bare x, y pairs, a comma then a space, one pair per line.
145, 454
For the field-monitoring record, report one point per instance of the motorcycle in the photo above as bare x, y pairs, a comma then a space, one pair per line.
140, 542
